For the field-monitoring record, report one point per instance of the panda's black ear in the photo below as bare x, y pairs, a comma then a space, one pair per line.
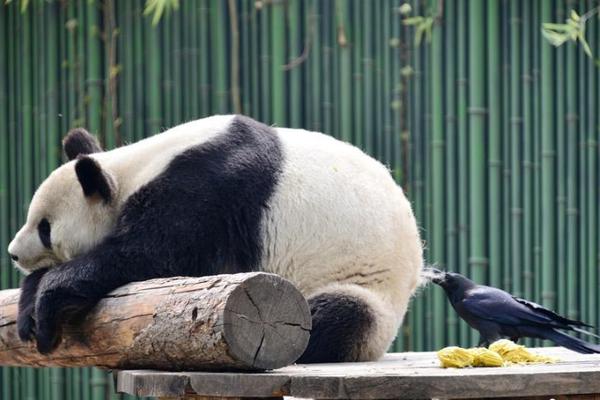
93, 179
80, 142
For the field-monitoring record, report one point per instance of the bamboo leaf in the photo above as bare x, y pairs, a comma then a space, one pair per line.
557, 27
412, 21
419, 34
586, 46
405, 9
428, 29
575, 16
158, 8
556, 39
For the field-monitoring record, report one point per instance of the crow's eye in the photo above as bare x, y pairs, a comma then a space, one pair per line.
44, 232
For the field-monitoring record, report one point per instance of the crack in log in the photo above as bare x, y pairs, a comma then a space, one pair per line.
252, 301
121, 319
262, 339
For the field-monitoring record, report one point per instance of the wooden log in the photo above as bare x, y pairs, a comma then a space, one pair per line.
251, 321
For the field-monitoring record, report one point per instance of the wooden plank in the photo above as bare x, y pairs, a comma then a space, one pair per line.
396, 376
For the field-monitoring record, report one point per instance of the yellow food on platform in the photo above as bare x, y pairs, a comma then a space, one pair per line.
500, 354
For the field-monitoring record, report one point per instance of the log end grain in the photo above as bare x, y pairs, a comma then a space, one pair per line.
266, 322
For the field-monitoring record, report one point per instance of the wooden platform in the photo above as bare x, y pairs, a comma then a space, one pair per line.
396, 376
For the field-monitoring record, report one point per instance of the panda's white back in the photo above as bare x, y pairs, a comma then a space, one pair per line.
338, 216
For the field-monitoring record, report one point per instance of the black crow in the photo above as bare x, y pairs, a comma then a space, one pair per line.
497, 314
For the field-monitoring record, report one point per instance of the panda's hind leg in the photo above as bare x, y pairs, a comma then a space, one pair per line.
349, 323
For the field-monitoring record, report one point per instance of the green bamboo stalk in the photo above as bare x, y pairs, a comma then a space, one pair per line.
560, 179
450, 175
326, 56
367, 15
314, 121
93, 67
265, 61
548, 168
477, 158
334, 82
253, 85
593, 258
463, 211
193, 106
527, 164
582, 87
153, 108
378, 89
386, 87
172, 37
571, 186
437, 250
416, 125
125, 12
425, 153
205, 86
234, 58
357, 75
294, 75
494, 77
138, 117
516, 158
167, 82
218, 48
537, 158
278, 59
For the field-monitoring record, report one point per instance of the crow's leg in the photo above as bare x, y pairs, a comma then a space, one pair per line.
483, 342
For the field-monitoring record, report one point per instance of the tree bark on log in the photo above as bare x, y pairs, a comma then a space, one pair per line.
250, 321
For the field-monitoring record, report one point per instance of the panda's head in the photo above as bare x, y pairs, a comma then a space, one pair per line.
71, 211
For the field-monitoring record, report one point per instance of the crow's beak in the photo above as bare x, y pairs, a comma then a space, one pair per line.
438, 277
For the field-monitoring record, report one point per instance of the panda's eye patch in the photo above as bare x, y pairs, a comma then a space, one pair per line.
44, 232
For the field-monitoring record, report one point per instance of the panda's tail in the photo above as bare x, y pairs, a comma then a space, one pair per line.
349, 323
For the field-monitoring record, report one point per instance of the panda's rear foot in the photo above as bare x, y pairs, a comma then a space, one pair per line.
348, 324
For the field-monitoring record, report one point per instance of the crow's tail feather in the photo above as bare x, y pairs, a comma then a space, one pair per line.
570, 342
585, 332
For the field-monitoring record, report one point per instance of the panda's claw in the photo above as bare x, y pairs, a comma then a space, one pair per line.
47, 340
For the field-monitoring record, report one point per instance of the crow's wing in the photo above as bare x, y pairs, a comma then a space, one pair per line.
499, 306
551, 314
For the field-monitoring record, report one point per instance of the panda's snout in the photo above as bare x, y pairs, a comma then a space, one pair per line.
13, 257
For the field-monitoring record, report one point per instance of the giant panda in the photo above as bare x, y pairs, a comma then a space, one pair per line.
224, 194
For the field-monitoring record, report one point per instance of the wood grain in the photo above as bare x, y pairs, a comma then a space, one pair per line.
252, 321
396, 376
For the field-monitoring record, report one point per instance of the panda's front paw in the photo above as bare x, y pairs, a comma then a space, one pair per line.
52, 308
26, 325
47, 340
27, 300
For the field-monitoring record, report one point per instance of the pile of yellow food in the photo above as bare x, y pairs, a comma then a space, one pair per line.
500, 354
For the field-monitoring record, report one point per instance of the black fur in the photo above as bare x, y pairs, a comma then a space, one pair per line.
339, 324
80, 142
201, 216
25, 322
92, 179
44, 233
